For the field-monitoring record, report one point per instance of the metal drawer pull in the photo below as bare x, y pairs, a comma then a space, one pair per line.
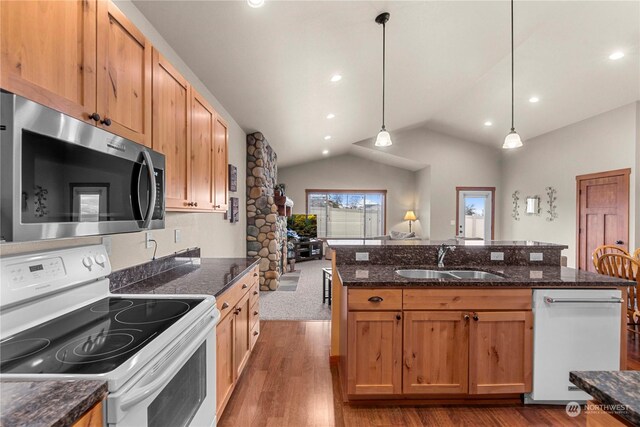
225, 305
612, 300
255, 292
573, 388
255, 274
245, 286
376, 299
255, 333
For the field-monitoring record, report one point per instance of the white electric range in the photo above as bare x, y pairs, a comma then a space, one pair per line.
156, 352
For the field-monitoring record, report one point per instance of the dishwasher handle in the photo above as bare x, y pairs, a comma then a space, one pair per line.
612, 300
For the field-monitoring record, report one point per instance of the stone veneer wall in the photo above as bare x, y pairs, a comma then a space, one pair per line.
264, 231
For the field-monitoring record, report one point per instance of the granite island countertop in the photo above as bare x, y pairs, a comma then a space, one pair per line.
613, 388
199, 276
494, 244
50, 403
367, 275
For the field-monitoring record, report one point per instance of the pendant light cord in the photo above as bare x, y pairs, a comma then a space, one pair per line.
384, 62
512, 74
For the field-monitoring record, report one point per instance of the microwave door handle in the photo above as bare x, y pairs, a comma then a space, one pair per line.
152, 189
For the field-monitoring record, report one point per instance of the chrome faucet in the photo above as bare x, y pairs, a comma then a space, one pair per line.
442, 252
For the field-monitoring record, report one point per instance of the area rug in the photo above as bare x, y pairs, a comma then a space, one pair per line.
289, 282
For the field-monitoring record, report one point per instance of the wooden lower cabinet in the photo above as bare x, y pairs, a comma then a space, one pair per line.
375, 353
234, 334
436, 352
93, 418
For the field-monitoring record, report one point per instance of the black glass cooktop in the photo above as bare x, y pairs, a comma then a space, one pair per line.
93, 339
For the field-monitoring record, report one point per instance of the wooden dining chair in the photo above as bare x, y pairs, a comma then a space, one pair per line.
636, 254
625, 267
606, 249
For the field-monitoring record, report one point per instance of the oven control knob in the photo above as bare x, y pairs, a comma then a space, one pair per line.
100, 260
87, 262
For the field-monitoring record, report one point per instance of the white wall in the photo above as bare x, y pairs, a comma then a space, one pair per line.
216, 237
637, 173
452, 163
605, 142
349, 172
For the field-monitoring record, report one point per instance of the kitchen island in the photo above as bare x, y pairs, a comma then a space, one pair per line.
446, 321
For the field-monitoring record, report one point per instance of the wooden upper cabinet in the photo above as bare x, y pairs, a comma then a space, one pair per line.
171, 128
220, 164
123, 76
49, 53
375, 352
500, 352
203, 119
436, 352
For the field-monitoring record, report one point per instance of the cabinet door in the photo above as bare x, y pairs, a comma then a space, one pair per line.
49, 53
220, 165
202, 123
242, 334
225, 369
124, 76
374, 352
436, 352
171, 128
500, 352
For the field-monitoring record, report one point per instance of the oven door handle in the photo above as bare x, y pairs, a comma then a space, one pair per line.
152, 189
167, 372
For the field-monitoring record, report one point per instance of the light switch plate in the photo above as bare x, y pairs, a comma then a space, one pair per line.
177, 235
535, 256
362, 256
497, 256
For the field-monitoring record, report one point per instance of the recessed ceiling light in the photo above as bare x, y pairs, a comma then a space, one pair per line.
534, 99
325, 152
336, 78
330, 116
616, 55
255, 3
488, 123
328, 137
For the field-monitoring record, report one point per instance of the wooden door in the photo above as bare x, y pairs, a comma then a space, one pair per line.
374, 352
436, 352
220, 164
242, 337
171, 128
202, 124
501, 352
225, 368
49, 53
124, 76
602, 213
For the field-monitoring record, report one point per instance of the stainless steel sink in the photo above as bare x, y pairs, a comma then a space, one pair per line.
425, 274
447, 274
474, 274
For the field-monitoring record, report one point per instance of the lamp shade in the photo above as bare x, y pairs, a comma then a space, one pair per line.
512, 140
383, 139
410, 216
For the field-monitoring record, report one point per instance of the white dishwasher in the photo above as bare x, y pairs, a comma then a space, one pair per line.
574, 330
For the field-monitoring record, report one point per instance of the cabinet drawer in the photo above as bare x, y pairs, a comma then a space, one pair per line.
228, 300
375, 299
254, 295
255, 333
467, 299
254, 315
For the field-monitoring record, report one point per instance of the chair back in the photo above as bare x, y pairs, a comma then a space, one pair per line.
606, 249
624, 267
636, 254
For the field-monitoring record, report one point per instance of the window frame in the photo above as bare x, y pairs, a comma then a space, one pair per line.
327, 191
491, 190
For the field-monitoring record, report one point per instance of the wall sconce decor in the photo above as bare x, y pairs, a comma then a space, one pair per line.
516, 205
532, 206
551, 203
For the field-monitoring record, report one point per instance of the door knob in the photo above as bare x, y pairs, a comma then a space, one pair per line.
619, 242
106, 121
95, 117
466, 317
475, 316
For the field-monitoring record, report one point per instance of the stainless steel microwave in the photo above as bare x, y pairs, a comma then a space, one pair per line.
62, 177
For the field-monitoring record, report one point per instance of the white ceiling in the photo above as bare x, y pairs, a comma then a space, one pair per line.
448, 65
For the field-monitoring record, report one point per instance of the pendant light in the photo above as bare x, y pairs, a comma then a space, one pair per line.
383, 139
512, 140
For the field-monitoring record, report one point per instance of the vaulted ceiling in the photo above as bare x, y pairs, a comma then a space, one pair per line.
448, 65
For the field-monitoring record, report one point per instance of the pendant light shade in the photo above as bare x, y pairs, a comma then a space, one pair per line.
512, 140
383, 139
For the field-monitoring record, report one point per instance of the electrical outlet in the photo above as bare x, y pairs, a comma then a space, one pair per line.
147, 239
177, 235
497, 256
535, 256
362, 256
106, 242
452, 222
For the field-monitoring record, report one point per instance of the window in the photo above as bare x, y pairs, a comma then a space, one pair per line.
348, 213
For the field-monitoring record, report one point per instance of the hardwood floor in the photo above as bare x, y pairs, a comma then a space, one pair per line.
289, 382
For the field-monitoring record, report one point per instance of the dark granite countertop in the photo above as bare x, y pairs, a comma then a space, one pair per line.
613, 388
512, 276
355, 243
47, 403
205, 276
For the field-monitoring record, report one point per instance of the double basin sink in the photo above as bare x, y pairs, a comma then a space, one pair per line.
447, 274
